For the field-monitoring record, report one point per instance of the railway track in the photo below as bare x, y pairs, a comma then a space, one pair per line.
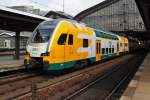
16, 77
11, 73
36, 86
100, 89
19, 85
87, 87
51, 88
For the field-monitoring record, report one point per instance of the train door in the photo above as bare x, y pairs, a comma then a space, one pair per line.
69, 48
98, 50
59, 54
117, 48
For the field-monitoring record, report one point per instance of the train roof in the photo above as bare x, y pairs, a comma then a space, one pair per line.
99, 33
107, 35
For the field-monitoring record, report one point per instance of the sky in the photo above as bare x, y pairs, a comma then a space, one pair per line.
71, 7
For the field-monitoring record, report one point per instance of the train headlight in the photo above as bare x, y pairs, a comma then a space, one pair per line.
26, 52
45, 54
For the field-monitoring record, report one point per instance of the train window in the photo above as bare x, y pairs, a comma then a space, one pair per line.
70, 40
117, 46
62, 39
109, 50
120, 44
99, 48
96, 47
126, 44
103, 50
106, 50
112, 50
41, 35
85, 43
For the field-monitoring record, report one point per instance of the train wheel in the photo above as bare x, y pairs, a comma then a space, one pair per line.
27, 66
81, 64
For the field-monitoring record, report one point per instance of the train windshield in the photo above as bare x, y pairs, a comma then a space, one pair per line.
42, 35
43, 32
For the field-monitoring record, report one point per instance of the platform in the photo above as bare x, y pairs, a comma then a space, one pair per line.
10, 53
139, 87
10, 64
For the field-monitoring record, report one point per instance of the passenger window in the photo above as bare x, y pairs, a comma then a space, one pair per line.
62, 39
85, 43
112, 50
106, 50
109, 50
103, 50
120, 44
96, 47
70, 40
99, 48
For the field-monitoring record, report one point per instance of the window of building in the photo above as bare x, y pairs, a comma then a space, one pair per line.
103, 50
70, 40
5, 44
62, 39
85, 43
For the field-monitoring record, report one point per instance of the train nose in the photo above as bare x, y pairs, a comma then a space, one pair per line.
33, 63
45, 65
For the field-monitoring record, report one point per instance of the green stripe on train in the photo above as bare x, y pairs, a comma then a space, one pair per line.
65, 65
108, 56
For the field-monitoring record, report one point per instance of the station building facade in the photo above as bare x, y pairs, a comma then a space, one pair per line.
7, 40
113, 15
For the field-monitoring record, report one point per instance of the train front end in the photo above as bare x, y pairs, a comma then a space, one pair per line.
38, 44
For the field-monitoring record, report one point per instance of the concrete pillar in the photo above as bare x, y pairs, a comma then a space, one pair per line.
17, 45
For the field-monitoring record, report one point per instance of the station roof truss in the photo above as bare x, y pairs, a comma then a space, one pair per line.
143, 6
94, 9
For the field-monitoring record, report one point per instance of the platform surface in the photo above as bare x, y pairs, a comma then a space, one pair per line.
8, 63
139, 87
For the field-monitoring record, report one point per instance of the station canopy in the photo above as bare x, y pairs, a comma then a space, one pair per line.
118, 16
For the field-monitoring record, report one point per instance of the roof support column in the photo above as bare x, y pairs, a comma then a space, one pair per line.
17, 45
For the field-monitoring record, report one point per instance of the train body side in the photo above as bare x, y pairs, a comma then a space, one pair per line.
72, 44
67, 53
123, 45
